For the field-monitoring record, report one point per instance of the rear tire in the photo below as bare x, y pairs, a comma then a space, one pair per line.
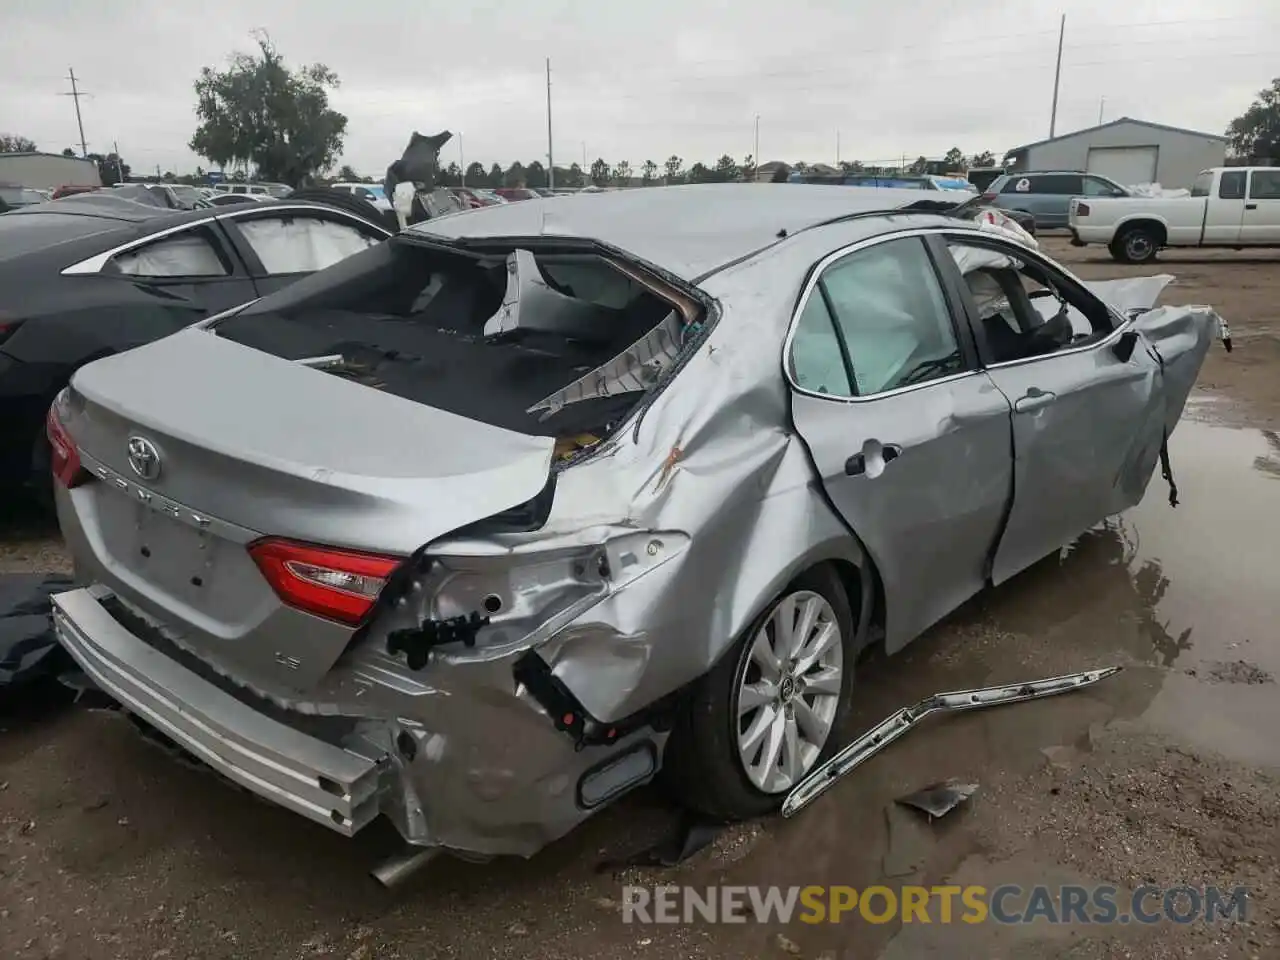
1135, 245
713, 763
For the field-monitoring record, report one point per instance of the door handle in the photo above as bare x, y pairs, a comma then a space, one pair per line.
1251, 206
871, 460
1034, 399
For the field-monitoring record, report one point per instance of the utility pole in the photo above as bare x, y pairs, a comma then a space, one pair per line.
115, 147
75, 95
1102, 103
462, 162
837, 147
551, 160
755, 157
1057, 77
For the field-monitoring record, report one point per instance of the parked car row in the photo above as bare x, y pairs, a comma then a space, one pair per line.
100, 273
481, 527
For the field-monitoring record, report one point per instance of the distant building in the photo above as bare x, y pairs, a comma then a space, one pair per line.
44, 171
1128, 151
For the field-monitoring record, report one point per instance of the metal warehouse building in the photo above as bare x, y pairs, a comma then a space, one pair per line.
1128, 151
43, 171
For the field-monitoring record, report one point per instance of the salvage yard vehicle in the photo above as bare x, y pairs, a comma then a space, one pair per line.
507, 515
96, 274
1234, 207
1046, 195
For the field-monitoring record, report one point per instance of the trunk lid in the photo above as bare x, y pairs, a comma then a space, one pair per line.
250, 445
289, 450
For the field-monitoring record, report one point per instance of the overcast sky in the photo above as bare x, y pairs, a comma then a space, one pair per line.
637, 81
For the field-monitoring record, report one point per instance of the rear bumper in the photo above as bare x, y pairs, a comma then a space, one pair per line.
328, 784
471, 765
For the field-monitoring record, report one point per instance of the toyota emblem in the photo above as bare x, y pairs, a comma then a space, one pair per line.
144, 458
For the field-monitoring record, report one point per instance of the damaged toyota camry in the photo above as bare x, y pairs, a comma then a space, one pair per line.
487, 525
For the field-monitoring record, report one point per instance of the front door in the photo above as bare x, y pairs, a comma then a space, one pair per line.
1087, 424
1224, 213
1261, 222
910, 440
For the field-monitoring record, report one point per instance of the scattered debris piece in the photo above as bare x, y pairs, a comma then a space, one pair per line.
890, 729
787, 945
692, 835
1238, 671
939, 799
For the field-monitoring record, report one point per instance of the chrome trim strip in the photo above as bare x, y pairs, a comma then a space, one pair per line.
959, 233
96, 263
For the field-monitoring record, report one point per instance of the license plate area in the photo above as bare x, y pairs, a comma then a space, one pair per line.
147, 537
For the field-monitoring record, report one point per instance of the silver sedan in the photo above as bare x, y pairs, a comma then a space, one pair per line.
487, 525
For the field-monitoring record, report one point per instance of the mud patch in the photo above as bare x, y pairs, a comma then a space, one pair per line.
1236, 671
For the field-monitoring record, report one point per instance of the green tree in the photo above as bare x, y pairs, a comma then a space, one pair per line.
699, 173
749, 168
111, 169
851, 166
674, 168
535, 175
954, 159
348, 173
984, 159
622, 173
514, 177
259, 111
1256, 132
599, 172
450, 176
68, 152
495, 176
475, 174
575, 178
648, 172
12, 143
920, 166
726, 170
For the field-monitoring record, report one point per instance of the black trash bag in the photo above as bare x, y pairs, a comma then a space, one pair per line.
29, 649
419, 165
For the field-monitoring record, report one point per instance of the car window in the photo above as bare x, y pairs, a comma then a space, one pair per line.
1059, 184
1019, 184
294, 244
817, 358
890, 316
1231, 186
1093, 187
190, 254
1024, 309
1264, 185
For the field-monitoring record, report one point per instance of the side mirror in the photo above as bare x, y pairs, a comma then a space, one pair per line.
1124, 346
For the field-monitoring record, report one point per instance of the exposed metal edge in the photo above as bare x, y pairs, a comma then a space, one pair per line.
893, 727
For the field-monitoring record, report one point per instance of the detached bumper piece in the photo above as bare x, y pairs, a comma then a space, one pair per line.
322, 782
889, 730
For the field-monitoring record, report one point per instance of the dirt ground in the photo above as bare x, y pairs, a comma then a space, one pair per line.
1165, 774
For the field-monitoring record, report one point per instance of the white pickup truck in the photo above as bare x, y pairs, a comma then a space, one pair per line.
1233, 207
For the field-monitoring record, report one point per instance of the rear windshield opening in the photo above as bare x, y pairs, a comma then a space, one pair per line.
559, 345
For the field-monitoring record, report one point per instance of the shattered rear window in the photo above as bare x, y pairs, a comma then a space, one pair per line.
552, 345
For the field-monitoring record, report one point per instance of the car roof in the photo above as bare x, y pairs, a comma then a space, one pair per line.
689, 231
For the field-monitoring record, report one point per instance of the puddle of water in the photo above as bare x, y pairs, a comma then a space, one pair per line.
1162, 590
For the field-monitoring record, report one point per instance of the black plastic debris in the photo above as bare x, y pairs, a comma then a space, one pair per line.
29, 650
939, 799
692, 834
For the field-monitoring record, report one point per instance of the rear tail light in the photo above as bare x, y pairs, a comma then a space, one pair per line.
64, 458
335, 584
1082, 208
8, 327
